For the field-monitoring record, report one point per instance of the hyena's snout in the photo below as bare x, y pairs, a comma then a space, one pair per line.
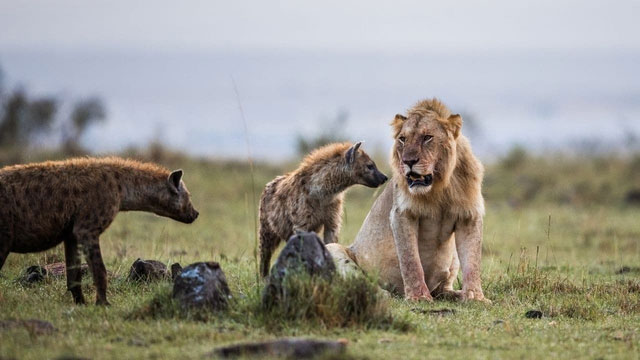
375, 179
192, 215
380, 178
187, 214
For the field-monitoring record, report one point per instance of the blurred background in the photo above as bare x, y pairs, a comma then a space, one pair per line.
105, 76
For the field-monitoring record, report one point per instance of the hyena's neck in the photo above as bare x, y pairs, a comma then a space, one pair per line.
139, 190
328, 181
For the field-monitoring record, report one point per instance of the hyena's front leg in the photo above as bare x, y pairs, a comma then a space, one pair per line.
89, 241
332, 227
74, 273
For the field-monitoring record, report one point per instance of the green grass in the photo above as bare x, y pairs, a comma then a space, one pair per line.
561, 257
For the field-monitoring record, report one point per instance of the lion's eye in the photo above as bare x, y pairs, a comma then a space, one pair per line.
427, 138
402, 139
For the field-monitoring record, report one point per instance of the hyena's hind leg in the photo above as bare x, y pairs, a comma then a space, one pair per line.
268, 243
5, 244
87, 236
74, 273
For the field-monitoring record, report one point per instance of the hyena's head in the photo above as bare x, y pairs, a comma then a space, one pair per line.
362, 169
174, 200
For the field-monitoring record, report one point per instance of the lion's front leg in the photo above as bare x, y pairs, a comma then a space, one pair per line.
405, 235
468, 237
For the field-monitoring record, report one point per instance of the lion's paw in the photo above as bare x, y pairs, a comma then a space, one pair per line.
474, 295
420, 294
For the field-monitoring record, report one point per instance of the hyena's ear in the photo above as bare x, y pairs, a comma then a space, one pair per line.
174, 180
352, 152
454, 124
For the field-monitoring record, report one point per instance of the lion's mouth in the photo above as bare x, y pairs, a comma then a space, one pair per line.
414, 179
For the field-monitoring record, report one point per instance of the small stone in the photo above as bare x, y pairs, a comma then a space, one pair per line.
202, 285
32, 274
147, 270
632, 197
293, 348
533, 314
623, 270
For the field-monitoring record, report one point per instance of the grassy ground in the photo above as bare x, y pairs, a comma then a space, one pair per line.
561, 257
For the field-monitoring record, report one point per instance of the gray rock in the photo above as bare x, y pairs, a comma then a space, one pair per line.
202, 285
533, 314
32, 274
632, 197
148, 270
305, 251
293, 348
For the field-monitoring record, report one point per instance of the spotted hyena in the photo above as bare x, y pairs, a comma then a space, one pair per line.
74, 201
310, 197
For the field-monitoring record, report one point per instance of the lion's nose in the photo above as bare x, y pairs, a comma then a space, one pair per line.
409, 162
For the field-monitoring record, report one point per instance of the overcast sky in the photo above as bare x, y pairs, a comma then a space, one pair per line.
361, 25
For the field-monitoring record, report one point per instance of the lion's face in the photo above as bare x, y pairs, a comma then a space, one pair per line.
423, 150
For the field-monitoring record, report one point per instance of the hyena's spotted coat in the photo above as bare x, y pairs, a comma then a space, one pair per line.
74, 201
310, 197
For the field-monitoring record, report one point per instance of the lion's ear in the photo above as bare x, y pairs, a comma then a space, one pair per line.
399, 119
396, 124
455, 124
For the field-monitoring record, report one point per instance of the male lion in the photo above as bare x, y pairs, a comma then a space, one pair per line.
429, 215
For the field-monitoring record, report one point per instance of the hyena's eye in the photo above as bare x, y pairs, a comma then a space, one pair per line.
427, 138
370, 167
402, 139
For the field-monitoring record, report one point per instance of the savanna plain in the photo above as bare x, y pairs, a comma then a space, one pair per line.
561, 236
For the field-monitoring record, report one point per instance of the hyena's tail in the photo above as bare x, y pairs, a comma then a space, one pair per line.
268, 242
265, 261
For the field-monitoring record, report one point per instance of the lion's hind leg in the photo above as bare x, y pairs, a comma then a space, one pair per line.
345, 265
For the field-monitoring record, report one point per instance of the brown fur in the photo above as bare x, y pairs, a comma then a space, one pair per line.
74, 201
417, 237
310, 197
